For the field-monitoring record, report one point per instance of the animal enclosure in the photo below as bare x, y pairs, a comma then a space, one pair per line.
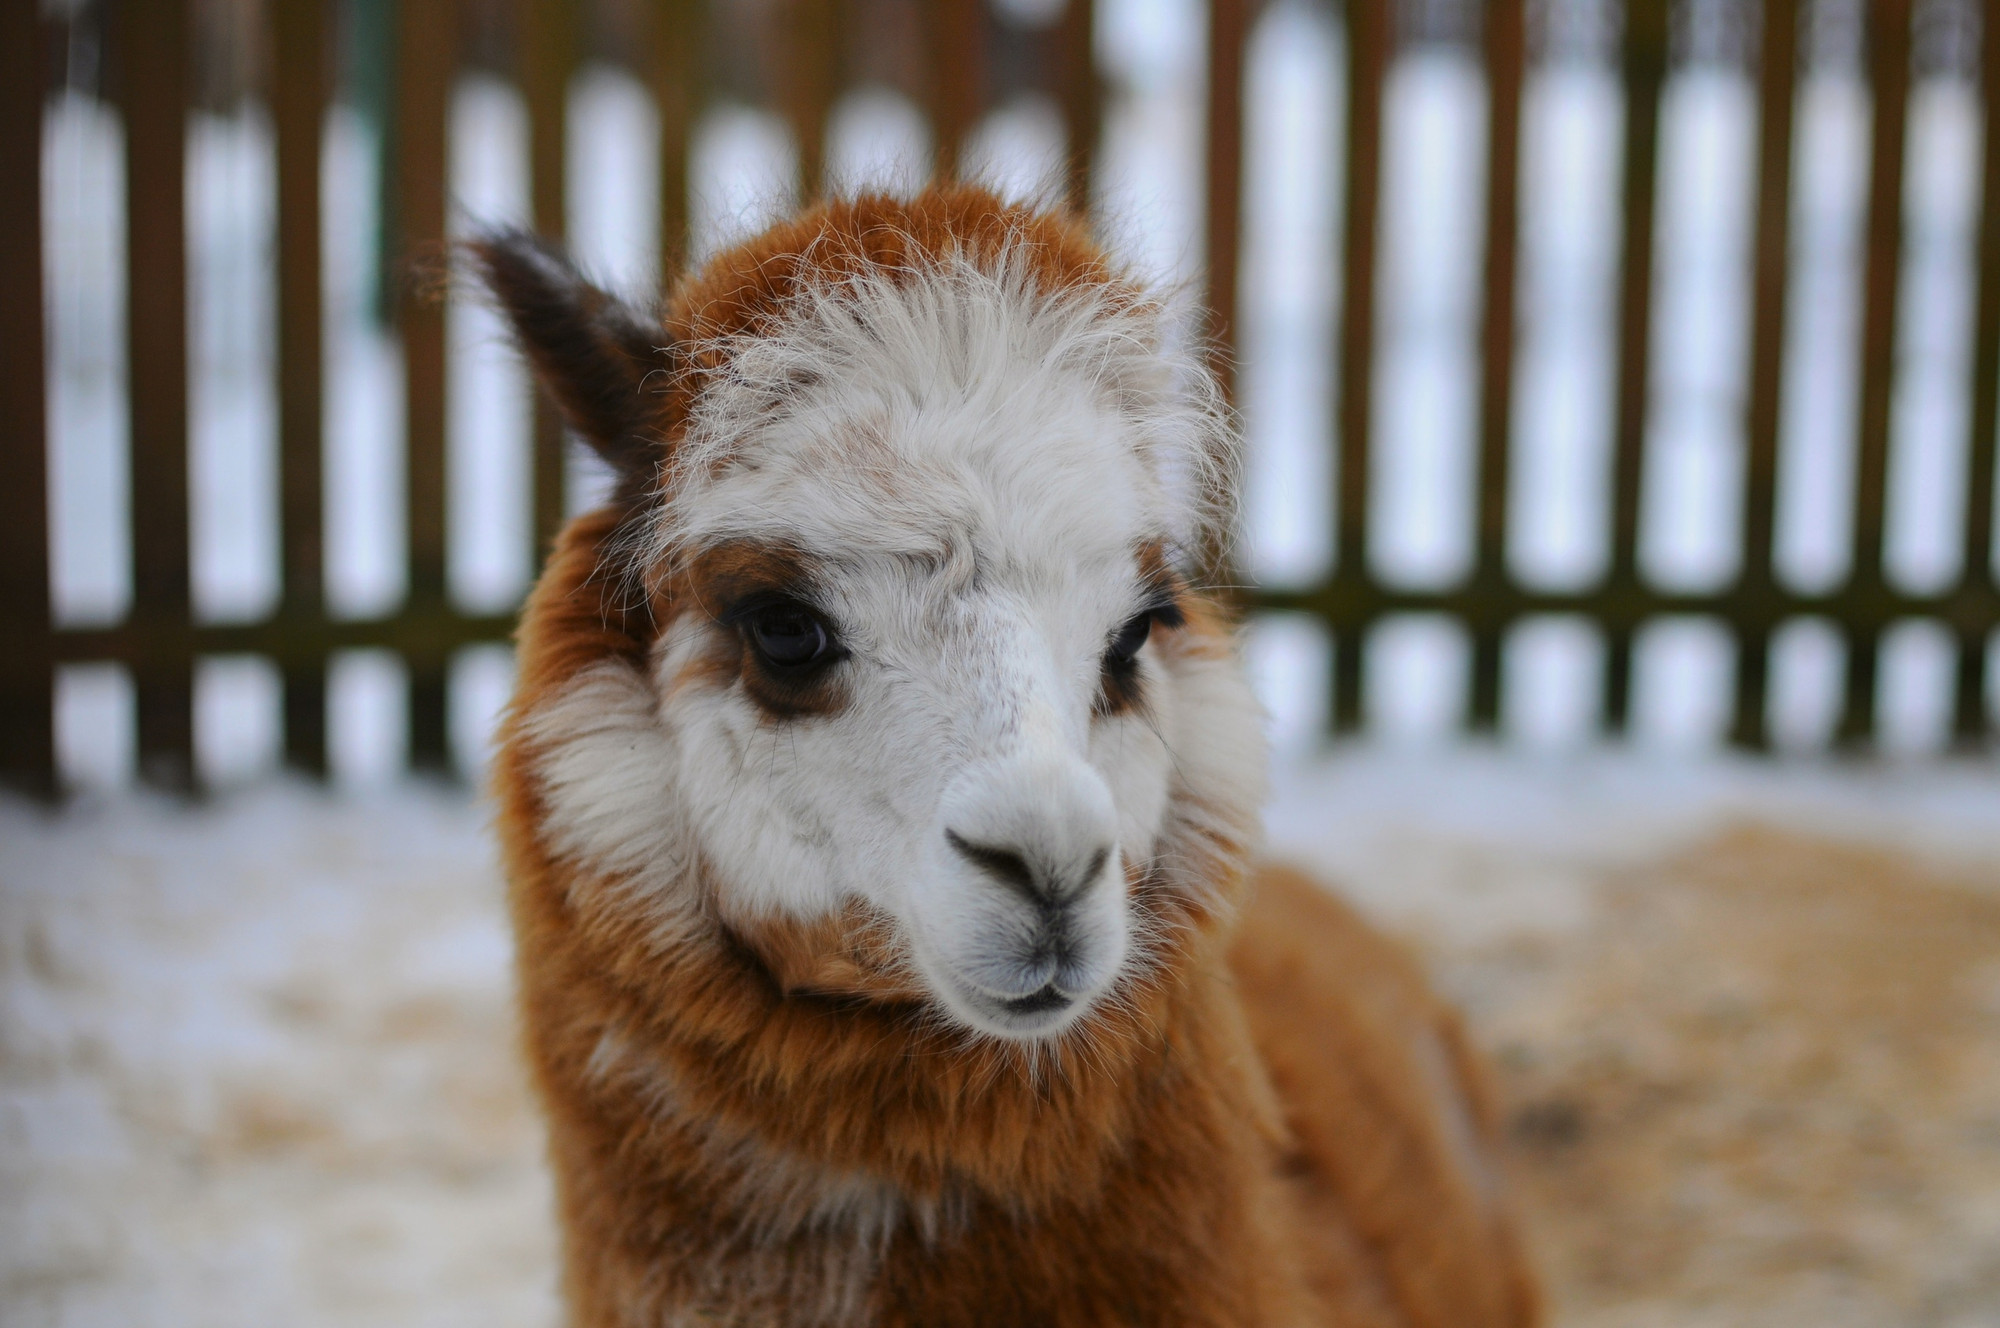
1563, 331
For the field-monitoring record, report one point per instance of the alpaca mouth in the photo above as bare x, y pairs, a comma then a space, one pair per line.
1040, 1002
1039, 1014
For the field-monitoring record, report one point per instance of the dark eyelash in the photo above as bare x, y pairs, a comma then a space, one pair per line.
742, 610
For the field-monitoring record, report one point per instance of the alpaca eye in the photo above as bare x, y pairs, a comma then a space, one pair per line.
1125, 644
789, 636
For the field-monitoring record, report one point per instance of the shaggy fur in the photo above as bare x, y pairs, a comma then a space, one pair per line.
774, 930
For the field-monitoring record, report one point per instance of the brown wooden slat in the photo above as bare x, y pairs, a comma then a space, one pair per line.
813, 67
1081, 96
680, 35
27, 728
1370, 42
1971, 721
426, 62
1506, 59
429, 714
299, 92
547, 59
1776, 99
153, 48
1888, 55
1645, 70
956, 33
1228, 33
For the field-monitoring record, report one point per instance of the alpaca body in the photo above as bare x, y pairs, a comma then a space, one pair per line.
877, 803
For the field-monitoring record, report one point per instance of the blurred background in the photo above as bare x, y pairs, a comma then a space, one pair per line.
1620, 383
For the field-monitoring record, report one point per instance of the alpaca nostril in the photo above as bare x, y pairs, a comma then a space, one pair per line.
1011, 869
1003, 865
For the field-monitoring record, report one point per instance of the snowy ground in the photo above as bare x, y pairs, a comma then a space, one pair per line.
257, 1068
256, 1061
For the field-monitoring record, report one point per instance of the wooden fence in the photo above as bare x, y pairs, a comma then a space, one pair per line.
962, 57
1491, 600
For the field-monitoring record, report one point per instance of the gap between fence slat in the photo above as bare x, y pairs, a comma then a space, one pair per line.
27, 701
154, 48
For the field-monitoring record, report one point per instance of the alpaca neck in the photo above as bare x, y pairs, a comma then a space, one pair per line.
789, 1045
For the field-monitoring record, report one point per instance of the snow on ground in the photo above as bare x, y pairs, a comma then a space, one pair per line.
1759, 1086
256, 1068
256, 1062
1473, 843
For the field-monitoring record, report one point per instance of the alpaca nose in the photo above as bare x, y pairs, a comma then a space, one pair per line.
1035, 883
1044, 830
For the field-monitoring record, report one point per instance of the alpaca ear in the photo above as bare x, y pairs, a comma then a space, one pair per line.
591, 350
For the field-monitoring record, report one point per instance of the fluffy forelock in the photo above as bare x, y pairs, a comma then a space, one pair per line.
930, 299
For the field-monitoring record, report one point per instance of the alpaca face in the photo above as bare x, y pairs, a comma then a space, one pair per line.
930, 650
957, 731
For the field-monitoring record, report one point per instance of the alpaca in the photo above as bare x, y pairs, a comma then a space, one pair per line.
879, 802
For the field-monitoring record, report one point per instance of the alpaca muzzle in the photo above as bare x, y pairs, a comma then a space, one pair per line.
1030, 924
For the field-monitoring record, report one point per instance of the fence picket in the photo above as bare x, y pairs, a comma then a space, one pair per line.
299, 93
1222, 222
1868, 612
812, 49
156, 42
1228, 32
1971, 721
957, 41
426, 65
1506, 58
27, 693
1348, 610
1645, 73
1777, 92
1080, 95
547, 58
679, 36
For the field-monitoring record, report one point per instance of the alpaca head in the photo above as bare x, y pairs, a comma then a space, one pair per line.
928, 645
